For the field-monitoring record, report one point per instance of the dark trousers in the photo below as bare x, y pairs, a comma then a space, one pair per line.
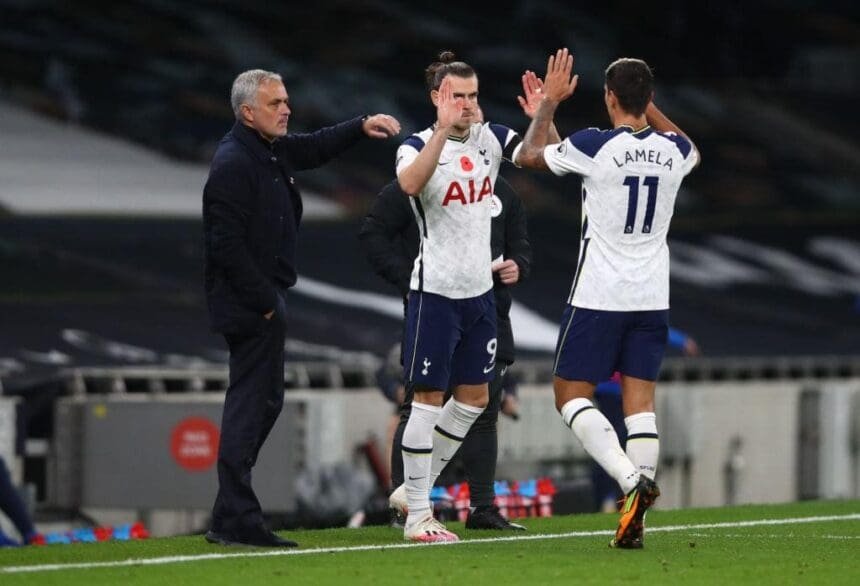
478, 453
254, 399
13, 506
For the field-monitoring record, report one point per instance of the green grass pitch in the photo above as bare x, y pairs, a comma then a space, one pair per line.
802, 543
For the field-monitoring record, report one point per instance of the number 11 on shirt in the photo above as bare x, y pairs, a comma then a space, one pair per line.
632, 183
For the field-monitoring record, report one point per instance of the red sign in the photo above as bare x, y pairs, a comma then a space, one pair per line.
194, 443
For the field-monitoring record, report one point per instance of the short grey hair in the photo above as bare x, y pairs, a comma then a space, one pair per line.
246, 85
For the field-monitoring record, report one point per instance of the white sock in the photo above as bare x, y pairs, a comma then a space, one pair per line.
417, 448
453, 425
599, 439
643, 443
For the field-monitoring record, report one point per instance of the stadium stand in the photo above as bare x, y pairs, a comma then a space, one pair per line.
109, 114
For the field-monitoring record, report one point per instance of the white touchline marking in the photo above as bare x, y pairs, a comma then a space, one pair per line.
773, 536
289, 552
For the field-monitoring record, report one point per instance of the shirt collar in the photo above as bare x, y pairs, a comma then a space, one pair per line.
640, 133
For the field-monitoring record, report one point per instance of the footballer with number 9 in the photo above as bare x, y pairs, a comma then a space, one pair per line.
617, 312
449, 170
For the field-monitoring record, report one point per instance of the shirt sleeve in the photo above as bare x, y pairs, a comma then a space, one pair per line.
312, 150
575, 154
509, 141
407, 152
517, 245
689, 154
691, 160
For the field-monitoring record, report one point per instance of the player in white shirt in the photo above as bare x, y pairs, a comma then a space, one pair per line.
449, 171
617, 312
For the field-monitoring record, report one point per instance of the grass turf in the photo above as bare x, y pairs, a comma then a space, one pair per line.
678, 550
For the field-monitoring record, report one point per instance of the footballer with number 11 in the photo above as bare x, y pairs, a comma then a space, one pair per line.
617, 312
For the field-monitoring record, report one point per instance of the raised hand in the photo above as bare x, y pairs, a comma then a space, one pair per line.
448, 109
533, 90
558, 84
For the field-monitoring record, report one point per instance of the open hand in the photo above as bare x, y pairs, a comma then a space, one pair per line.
380, 126
533, 90
448, 109
558, 84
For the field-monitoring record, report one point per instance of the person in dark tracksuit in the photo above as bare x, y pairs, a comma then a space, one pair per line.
251, 214
13, 505
389, 235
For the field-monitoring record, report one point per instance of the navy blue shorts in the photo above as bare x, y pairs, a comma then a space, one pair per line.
592, 344
449, 342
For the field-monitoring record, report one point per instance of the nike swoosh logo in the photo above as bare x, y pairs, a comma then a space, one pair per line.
444, 460
440, 164
416, 477
489, 369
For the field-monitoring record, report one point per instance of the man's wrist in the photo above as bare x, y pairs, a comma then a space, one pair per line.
442, 130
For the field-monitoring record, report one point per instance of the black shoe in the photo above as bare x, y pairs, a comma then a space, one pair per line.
631, 527
489, 517
257, 537
397, 519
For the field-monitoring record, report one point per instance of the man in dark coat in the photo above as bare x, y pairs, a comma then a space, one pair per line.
251, 214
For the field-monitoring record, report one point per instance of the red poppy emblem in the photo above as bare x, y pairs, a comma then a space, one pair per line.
466, 163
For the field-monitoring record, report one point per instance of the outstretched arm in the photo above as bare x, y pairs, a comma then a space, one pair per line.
309, 150
558, 86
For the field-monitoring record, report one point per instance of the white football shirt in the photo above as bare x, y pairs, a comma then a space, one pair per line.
629, 184
454, 210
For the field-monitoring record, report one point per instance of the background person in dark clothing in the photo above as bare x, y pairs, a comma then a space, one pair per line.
14, 507
251, 214
389, 236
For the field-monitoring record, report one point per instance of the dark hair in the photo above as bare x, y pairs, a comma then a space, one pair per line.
632, 82
446, 65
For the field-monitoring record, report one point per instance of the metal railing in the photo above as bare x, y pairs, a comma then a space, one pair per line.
157, 379
725, 368
333, 375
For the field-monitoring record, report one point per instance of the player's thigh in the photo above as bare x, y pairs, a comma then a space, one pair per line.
588, 344
644, 344
474, 360
432, 334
